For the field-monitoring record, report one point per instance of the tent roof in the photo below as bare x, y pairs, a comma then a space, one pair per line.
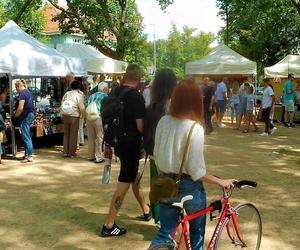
221, 61
23, 55
96, 61
289, 64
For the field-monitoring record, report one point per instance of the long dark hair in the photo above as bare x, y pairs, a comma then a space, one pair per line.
163, 85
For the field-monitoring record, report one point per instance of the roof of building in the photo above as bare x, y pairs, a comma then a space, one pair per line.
51, 26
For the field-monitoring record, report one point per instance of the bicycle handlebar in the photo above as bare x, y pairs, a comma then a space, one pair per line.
245, 183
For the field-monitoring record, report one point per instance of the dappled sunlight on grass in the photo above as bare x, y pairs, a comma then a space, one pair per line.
60, 203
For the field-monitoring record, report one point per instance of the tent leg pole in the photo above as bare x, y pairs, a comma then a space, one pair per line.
11, 110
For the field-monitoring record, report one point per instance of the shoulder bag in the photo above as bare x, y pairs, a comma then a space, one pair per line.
165, 186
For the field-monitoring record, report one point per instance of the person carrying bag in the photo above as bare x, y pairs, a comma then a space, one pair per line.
166, 185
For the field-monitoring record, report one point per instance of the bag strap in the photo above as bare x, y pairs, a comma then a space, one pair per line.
123, 92
185, 151
138, 181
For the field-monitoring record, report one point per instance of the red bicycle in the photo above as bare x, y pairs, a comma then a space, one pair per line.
242, 223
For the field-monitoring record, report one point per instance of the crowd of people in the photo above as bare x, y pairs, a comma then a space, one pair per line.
159, 120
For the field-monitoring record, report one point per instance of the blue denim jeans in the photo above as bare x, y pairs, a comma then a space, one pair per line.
25, 128
169, 216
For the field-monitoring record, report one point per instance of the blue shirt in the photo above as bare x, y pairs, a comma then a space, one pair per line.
221, 89
288, 86
28, 98
97, 97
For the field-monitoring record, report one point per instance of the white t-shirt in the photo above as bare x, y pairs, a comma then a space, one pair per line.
267, 97
170, 139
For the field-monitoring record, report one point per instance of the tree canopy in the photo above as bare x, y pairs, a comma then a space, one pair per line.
264, 31
114, 27
26, 13
182, 47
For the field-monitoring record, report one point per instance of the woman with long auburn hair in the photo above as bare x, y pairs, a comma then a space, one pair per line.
186, 109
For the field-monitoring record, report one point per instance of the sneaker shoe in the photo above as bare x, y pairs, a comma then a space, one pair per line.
101, 160
146, 217
292, 125
222, 125
91, 159
273, 130
28, 159
114, 231
264, 134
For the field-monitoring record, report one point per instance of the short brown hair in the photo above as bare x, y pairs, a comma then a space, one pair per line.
187, 101
133, 72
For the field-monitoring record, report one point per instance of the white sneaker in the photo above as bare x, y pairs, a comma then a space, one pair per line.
223, 125
264, 134
273, 130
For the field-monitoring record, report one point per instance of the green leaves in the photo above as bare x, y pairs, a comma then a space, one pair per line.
182, 47
264, 31
26, 13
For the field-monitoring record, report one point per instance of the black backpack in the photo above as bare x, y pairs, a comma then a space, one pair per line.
112, 114
153, 114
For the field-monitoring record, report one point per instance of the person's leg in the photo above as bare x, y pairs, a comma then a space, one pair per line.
25, 127
236, 112
66, 122
139, 195
265, 118
247, 122
207, 117
116, 203
232, 114
98, 128
91, 139
253, 122
80, 136
154, 206
168, 219
222, 111
291, 111
74, 124
218, 112
197, 226
268, 120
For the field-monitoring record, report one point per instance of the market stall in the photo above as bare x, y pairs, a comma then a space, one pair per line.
96, 62
22, 56
222, 61
278, 74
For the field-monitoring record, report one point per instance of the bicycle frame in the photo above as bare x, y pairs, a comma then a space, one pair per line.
227, 211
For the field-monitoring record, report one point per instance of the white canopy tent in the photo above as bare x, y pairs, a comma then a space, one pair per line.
289, 64
221, 61
96, 61
23, 55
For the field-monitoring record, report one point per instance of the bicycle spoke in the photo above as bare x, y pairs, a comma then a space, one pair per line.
249, 230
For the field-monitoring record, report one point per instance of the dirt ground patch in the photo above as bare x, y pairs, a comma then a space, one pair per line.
58, 203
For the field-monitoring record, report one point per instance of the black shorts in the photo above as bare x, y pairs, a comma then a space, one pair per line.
129, 155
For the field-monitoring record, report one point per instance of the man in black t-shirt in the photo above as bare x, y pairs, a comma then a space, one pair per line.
208, 101
128, 152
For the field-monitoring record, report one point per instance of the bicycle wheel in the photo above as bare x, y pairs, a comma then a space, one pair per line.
166, 246
249, 226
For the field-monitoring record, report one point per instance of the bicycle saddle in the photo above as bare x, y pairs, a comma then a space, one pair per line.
177, 201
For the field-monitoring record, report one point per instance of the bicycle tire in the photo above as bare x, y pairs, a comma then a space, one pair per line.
250, 227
